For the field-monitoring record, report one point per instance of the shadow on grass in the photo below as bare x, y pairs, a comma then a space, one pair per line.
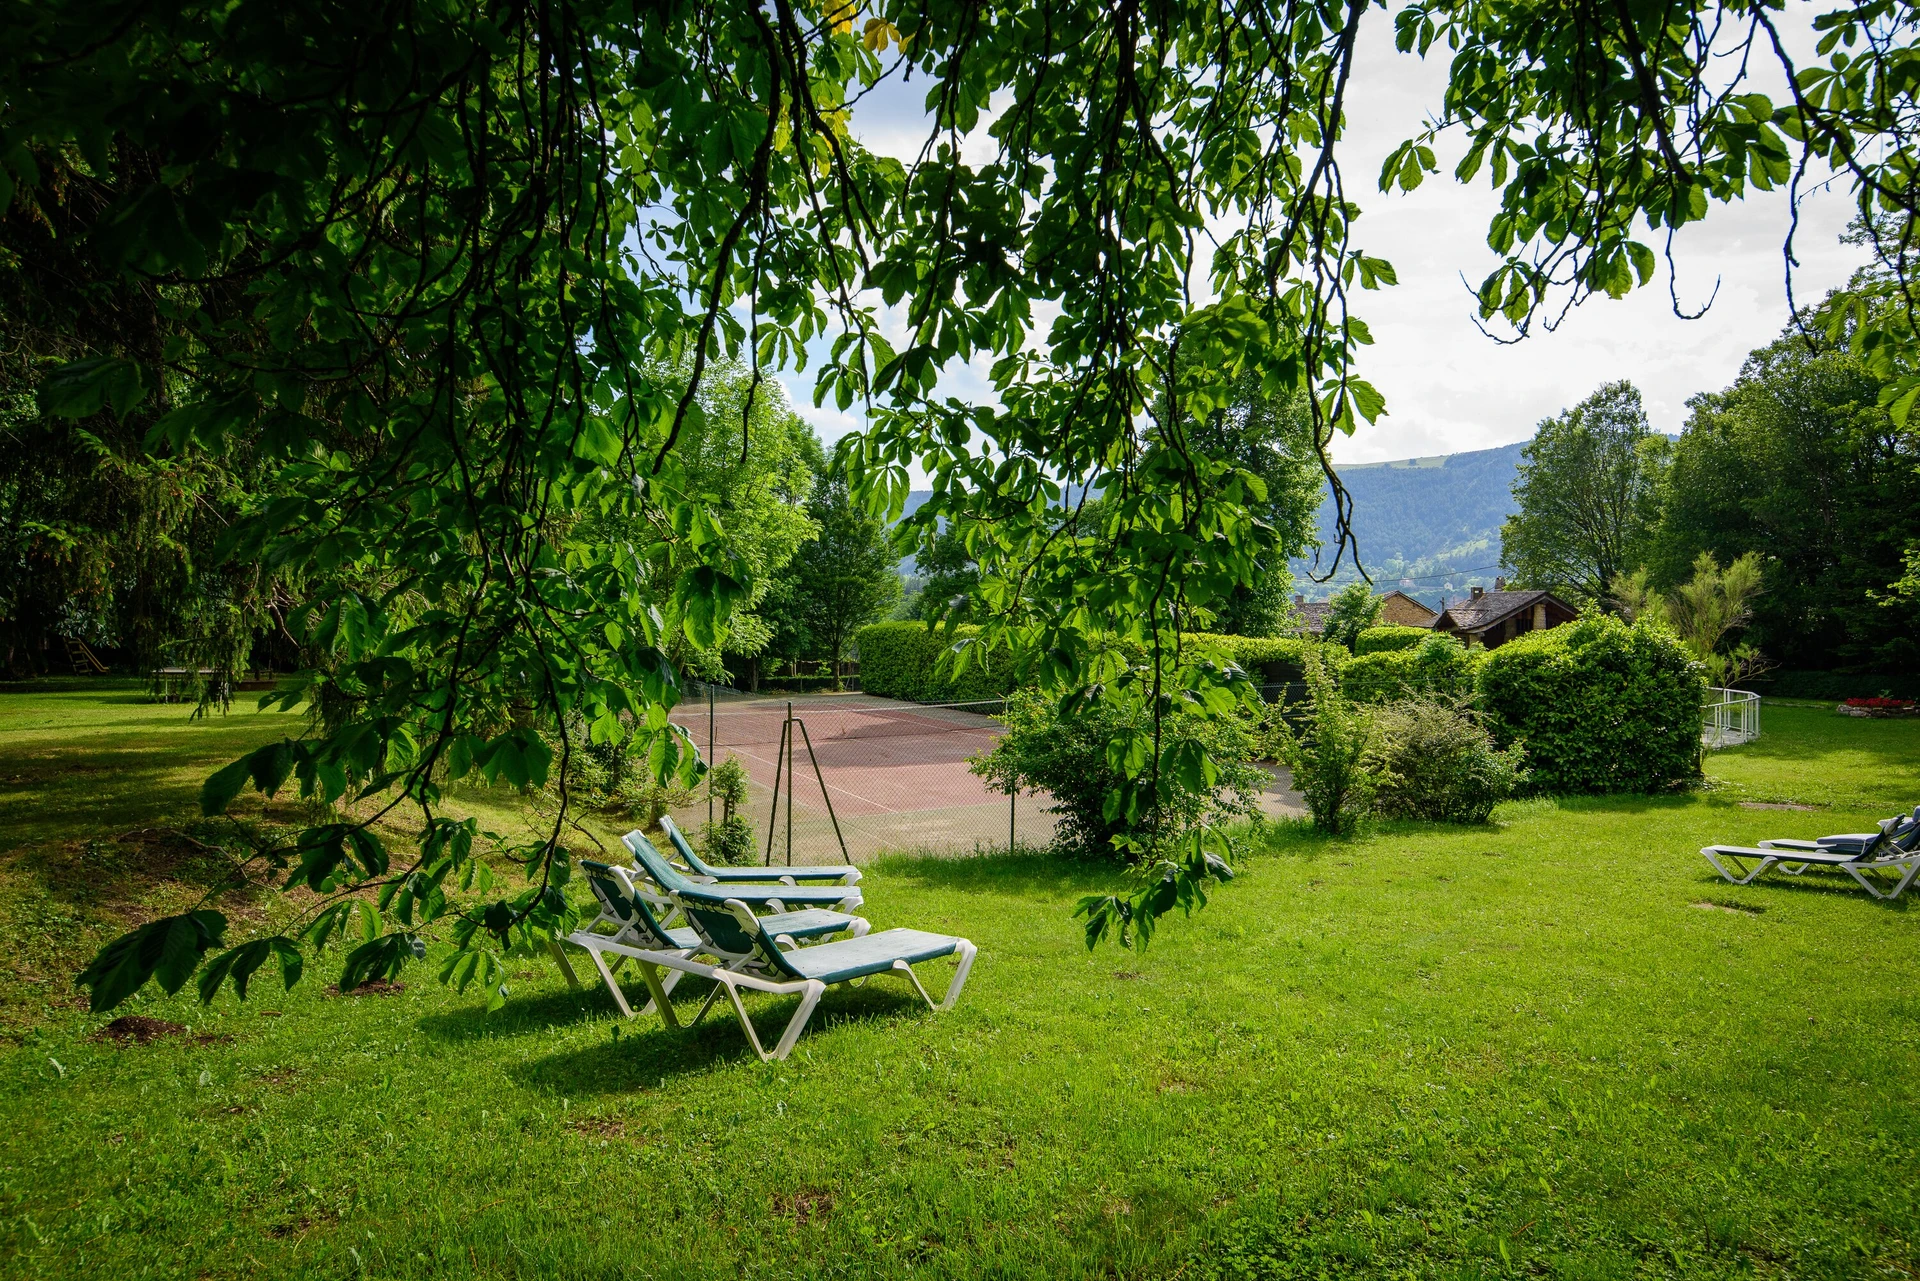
641, 1053
1036, 874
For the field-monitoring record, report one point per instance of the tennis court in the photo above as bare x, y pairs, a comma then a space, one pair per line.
890, 775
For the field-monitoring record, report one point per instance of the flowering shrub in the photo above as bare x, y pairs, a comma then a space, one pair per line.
1883, 704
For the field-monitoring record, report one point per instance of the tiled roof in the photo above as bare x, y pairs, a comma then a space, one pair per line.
1475, 613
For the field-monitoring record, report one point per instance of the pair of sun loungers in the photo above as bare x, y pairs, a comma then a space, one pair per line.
783, 931
1883, 862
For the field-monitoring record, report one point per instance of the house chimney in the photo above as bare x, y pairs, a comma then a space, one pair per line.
1298, 599
1478, 592
1499, 584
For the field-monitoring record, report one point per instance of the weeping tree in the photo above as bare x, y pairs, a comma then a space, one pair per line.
426, 260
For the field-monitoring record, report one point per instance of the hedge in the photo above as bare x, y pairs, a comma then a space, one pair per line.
1601, 706
1269, 659
1382, 640
1439, 665
897, 660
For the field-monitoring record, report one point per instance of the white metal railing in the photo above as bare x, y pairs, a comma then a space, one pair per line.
1729, 717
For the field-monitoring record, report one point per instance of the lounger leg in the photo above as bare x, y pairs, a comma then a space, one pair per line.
651, 974
708, 1003
967, 952
619, 997
1739, 866
859, 927
798, 1024
901, 967
740, 1012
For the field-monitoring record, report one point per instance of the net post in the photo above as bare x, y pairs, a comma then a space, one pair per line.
825, 795
773, 815
789, 737
711, 762
1013, 798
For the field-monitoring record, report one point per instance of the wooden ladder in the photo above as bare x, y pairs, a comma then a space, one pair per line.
84, 663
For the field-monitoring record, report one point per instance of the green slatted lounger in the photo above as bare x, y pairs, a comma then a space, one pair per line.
1865, 856
840, 874
642, 931
729, 925
763, 897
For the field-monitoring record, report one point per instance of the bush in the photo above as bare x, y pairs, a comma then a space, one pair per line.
730, 840
1268, 659
1600, 706
1383, 639
1437, 761
1069, 757
1440, 666
1328, 753
898, 660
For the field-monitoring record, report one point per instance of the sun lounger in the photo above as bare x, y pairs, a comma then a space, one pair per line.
839, 874
764, 897
730, 925
1876, 860
640, 925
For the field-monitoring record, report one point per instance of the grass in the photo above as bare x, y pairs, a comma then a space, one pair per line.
1554, 1046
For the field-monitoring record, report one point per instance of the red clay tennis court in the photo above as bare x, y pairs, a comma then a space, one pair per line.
895, 773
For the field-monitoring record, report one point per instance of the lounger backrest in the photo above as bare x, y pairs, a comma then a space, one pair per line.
1906, 832
683, 847
729, 926
662, 873
622, 903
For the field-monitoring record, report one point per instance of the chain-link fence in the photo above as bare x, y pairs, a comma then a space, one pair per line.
838, 776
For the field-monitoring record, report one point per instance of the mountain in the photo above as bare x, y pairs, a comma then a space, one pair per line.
1419, 521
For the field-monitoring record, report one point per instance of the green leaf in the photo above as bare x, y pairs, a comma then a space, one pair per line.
82, 388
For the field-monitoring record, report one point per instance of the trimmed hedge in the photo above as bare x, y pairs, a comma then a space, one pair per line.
1268, 659
897, 660
1383, 640
1600, 706
1439, 665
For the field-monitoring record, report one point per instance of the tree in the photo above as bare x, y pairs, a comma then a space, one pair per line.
1353, 609
841, 581
1589, 497
1707, 612
1271, 437
1798, 462
430, 263
950, 576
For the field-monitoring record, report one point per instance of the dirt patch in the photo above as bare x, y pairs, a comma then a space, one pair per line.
372, 987
140, 1029
805, 1206
1775, 805
1738, 909
1128, 974
605, 1128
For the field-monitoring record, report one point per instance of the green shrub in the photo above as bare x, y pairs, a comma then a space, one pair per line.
1600, 706
1074, 758
1328, 753
898, 660
1437, 761
730, 839
1381, 640
1268, 659
1439, 666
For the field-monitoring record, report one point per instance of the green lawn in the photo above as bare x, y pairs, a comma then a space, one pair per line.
1551, 1047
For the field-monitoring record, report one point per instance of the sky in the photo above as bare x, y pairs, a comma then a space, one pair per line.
1448, 387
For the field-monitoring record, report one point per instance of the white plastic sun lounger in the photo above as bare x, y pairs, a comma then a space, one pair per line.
1890, 856
837, 874
762, 895
727, 924
641, 930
